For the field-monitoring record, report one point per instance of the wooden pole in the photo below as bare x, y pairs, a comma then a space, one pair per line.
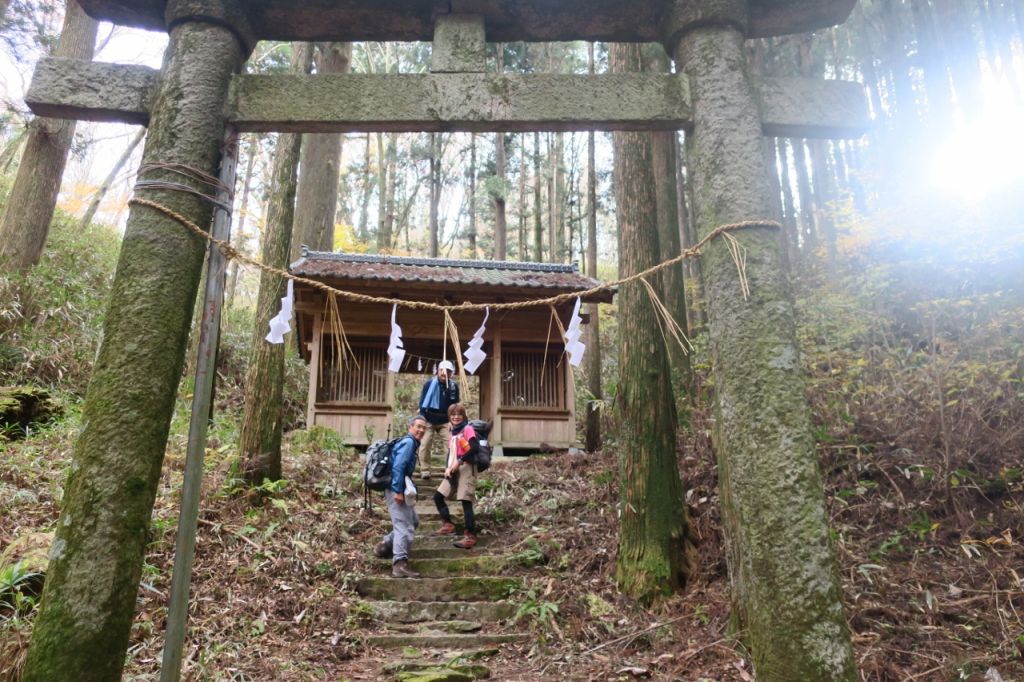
209, 331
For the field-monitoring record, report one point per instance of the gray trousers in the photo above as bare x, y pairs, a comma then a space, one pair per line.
404, 522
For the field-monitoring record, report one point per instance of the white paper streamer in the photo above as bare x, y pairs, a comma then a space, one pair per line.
280, 324
395, 351
475, 354
573, 346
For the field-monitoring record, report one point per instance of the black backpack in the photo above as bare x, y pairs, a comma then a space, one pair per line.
483, 453
377, 472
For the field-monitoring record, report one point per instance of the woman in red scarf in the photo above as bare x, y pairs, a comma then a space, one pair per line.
459, 476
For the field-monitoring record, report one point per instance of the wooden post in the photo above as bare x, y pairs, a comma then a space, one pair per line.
314, 368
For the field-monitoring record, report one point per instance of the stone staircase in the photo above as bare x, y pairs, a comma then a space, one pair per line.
456, 614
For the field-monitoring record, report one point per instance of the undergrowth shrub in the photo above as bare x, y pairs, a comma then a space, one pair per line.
915, 350
51, 317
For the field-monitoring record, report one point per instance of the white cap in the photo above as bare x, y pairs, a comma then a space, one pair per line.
446, 365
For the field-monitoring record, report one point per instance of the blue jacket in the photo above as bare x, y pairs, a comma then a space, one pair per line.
403, 462
448, 395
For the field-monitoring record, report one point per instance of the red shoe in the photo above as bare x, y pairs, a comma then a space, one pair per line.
468, 541
447, 528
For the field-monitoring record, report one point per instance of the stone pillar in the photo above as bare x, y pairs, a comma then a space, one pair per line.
783, 573
86, 613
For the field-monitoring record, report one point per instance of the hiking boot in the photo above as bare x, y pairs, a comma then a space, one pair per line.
425, 475
468, 541
447, 528
382, 550
400, 569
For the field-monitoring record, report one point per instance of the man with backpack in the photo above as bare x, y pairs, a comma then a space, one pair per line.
438, 394
404, 519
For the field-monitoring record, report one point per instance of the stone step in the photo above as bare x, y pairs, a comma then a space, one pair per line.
479, 565
438, 589
425, 611
449, 552
444, 640
455, 672
454, 627
426, 540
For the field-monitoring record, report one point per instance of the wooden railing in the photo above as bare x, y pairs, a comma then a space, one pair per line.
529, 381
363, 380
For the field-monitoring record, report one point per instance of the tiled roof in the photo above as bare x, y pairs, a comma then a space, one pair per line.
495, 275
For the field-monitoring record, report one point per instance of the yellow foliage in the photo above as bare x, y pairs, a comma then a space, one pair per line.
345, 239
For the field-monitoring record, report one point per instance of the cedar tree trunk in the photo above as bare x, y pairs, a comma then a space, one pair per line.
317, 196
656, 553
25, 223
260, 436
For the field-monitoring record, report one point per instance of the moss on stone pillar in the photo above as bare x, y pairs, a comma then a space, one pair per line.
784, 577
81, 632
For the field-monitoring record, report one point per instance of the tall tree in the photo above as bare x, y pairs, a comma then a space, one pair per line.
559, 252
25, 223
317, 198
809, 232
672, 290
957, 22
498, 188
383, 226
471, 234
933, 63
260, 434
593, 328
524, 251
435, 194
101, 191
656, 551
238, 235
821, 177
538, 226
695, 309
789, 221
367, 186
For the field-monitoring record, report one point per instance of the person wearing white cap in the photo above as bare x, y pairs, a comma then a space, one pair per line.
438, 394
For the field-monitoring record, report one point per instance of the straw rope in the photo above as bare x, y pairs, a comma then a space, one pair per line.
230, 252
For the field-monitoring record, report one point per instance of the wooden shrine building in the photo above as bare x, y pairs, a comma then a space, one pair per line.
525, 384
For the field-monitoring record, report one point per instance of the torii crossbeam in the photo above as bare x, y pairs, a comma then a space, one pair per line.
785, 585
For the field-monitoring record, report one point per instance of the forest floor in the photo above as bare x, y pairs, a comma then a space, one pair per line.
931, 593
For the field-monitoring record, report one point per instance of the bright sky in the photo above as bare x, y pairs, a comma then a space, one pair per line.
984, 156
125, 46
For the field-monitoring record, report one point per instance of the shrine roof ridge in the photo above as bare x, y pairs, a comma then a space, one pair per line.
386, 259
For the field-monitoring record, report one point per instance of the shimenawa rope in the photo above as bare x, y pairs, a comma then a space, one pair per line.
230, 252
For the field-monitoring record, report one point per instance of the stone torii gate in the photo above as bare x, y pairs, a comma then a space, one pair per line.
784, 578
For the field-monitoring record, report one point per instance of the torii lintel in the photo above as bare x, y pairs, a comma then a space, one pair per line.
476, 102
507, 20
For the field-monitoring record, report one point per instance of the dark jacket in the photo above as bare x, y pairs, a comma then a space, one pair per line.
403, 462
449, 396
